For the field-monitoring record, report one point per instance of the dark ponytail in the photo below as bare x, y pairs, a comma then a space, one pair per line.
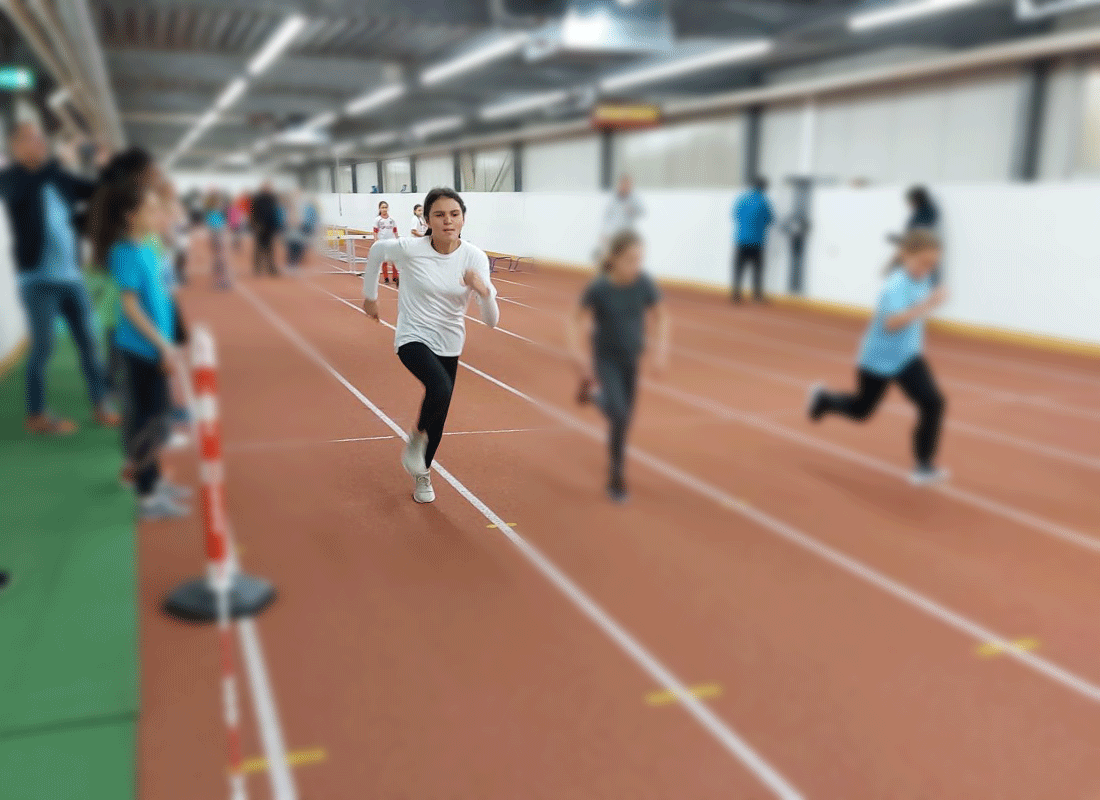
109, 215
440, 193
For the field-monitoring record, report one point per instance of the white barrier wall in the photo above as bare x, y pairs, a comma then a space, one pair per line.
1024, 258
13, 324
1019, 257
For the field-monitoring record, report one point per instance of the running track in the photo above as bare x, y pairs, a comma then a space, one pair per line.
836, 615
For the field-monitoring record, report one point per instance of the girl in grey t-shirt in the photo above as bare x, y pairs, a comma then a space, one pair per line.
616, 306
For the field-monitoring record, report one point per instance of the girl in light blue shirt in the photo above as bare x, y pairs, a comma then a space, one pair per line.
893, 352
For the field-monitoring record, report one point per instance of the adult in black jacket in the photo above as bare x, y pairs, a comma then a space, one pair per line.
265, 225
41, 200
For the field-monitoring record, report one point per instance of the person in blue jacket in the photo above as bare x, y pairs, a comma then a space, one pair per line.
752, 214
893, 352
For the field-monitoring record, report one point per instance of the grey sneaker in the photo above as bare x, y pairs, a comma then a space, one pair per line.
412, 458
159, 506
927, 476
424, 493
174, 491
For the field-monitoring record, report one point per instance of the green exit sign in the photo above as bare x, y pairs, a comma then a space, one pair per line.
16, 79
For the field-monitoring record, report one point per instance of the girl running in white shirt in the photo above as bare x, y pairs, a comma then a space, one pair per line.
442, 273
420, 225
385, 229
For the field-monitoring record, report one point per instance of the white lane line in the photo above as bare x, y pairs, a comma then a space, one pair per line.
977, 431
263, 698
976, 631
649, 664
763, 423
800, 350
267, 715
820, 328
245, 447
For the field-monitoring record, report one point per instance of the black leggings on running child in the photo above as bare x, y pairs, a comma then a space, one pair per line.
437, 373
917, 382
618, 378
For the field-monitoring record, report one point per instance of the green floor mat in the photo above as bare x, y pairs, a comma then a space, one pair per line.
68, 619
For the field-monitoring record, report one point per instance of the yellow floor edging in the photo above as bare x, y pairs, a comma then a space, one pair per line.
704, 691
300, 759
993, 649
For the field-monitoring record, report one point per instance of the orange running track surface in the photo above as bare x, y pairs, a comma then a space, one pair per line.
837, 617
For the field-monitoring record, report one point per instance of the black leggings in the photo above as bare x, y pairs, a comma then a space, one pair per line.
437, 373
919, 386
749, 254
145, 419
618, 377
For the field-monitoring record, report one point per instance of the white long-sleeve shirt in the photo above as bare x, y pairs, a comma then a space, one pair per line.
432, 301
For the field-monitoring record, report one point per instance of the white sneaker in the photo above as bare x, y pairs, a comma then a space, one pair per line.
412, 459
927, 476
158, 506
174, 491
177, 440
424, 493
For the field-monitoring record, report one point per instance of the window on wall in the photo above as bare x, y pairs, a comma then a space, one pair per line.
696, 154
366, 176
396, 175
324, 179
433, 171
488, 171
343, 178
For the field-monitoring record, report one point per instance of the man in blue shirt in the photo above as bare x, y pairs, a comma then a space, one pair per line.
39, 198
752, 214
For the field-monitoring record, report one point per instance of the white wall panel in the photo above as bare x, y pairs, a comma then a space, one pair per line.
562, 166
960, 130
704, 154
781, 141
1061, 121
13, 323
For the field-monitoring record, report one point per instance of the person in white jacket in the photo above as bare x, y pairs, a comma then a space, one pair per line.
440, 275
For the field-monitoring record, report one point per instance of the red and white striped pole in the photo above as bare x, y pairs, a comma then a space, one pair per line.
220, 564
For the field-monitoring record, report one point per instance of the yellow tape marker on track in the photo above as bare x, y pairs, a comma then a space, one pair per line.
704, 691
300, 759
510, 525
994, 649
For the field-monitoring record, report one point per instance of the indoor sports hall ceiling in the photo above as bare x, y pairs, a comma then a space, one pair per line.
169, 62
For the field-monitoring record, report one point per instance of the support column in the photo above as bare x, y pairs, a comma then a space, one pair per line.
754, 116
1029, 132
458, 171
517, 166
412, 174
378, 171
607, 160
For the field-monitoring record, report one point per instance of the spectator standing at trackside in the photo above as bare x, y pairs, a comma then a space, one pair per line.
265, 226
301, 224
216, 222
752, 214
623, 213
40, 196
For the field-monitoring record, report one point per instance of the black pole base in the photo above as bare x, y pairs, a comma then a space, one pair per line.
195, 602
